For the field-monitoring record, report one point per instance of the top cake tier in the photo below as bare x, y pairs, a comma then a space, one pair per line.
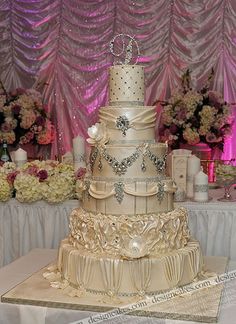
126, 85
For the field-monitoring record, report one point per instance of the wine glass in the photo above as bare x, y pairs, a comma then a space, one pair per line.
227, 184
226, 177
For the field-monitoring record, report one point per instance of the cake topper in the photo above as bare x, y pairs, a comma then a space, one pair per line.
127, 51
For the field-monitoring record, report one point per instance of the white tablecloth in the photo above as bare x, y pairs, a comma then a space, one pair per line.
19, 270
27, 226
213, 224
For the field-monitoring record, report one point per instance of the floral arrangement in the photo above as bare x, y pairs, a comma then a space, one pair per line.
48, 180
24, 118
191, 117
226, 172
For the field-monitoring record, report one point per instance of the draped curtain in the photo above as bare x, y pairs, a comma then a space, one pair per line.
63, 46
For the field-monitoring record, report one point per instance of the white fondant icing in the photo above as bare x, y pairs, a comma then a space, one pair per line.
126, 239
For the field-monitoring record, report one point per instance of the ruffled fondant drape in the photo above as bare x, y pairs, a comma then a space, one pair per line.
65, 44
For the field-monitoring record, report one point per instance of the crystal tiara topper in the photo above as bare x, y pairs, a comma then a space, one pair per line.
127, 49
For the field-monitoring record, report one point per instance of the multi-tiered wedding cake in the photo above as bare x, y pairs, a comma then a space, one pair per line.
127, 239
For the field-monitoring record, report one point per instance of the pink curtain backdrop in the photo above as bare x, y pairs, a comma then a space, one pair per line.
65, 44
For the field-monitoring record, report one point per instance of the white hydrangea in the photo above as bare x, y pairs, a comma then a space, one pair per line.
28, 188
25, 101
5, 190
59, 187
8, 167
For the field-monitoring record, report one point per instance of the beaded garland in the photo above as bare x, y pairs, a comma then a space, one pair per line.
120, 168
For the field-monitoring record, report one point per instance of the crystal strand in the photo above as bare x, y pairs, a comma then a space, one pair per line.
143, 164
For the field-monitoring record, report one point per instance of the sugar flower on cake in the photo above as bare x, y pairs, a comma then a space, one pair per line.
191, 116
135, 248
97, 134
24, 118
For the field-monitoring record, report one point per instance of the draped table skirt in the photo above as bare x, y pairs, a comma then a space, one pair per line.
213, 224
24, 226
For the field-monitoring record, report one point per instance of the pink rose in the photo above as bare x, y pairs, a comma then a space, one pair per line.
173, 129
40, 121
80, 173
20, 91
5, 127
11, 177
16, 109
29, 136
161, 130
181, 115
42, 175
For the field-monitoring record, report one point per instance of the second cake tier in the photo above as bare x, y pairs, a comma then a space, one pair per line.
128, 196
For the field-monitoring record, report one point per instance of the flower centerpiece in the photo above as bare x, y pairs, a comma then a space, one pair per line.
192, 117
24, 118
60, 184
48, 180
226, 172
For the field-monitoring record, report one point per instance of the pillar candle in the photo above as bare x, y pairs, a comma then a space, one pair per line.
193, 167
79, 152
20, 157
200, 187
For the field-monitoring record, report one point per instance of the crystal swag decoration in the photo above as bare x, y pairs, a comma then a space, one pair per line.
119, 191
160, 163
128, 50
161, 191
122, 123
120, 168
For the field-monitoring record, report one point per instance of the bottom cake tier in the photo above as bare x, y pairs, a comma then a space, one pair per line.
113, 276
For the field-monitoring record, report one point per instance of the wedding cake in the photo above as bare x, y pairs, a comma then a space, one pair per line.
126, 238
